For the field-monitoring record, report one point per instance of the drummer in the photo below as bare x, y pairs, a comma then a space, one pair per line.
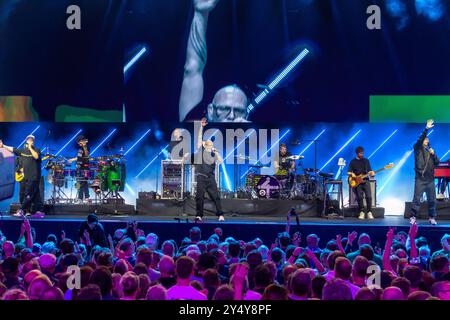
285, 166
82, 165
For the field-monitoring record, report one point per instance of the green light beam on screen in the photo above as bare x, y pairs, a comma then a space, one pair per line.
409, 109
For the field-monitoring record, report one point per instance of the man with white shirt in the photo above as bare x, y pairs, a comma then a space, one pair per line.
183, 289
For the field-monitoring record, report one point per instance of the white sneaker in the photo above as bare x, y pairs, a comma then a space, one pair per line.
412, 220
432, 221
221, 218
440, 196
362, 216
19, 213
38, 214
198, 219
370, 216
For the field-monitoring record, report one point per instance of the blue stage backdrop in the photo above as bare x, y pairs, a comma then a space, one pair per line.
145, 145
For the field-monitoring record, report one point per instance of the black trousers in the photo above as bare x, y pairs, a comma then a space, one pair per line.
422, 185
442, 184
209, 185
361, 190
31, 199
83, 191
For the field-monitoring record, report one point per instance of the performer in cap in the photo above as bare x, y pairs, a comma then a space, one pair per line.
30, 159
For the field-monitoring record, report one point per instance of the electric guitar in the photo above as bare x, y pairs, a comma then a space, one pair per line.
356, 181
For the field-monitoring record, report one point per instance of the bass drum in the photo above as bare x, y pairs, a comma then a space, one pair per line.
268, 187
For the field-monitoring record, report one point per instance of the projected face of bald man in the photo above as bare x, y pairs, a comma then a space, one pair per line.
229, 105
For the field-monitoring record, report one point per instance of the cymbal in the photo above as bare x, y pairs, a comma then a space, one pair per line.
294, 157
258, 166
326, 174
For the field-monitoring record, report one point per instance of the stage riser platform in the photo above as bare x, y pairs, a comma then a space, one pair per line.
241, 207
258, 207
243, 231
83, 209
442, 210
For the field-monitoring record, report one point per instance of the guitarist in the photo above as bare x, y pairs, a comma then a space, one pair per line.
30, 157
358, 166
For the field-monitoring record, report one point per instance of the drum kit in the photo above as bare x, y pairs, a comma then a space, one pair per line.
296, 183
105, 175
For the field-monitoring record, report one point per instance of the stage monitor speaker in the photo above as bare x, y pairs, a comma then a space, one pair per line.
373, 190
6, 174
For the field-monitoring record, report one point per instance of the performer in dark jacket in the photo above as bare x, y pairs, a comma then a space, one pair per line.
425, 160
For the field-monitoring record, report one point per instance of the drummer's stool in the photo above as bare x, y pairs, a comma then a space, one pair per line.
330, 188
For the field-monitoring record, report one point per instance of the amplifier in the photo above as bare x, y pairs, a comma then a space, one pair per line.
373, 190
172, 179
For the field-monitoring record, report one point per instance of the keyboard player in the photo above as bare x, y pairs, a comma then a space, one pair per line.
442, 173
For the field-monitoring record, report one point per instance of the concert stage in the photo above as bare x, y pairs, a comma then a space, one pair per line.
442, 210
175, 227
241, 207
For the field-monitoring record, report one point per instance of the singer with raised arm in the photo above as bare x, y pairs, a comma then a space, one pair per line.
230, 102
205, 165
30, 159
425, 159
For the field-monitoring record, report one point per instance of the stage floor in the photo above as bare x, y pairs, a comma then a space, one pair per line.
394, 221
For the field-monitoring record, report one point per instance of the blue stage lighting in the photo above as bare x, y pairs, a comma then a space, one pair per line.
398, 10
275, 82
225, 174
395, 171
70, 140
153, 160
130, 189
135, 59
32, 132
103, 141
397, 167
430, 9
314, 140
342, 148
445, 154
243, 140
139, 140
383, 143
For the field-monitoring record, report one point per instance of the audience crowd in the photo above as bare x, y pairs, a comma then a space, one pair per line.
132, 265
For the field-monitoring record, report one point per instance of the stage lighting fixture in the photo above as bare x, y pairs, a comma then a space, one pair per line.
134, 59
275, 82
